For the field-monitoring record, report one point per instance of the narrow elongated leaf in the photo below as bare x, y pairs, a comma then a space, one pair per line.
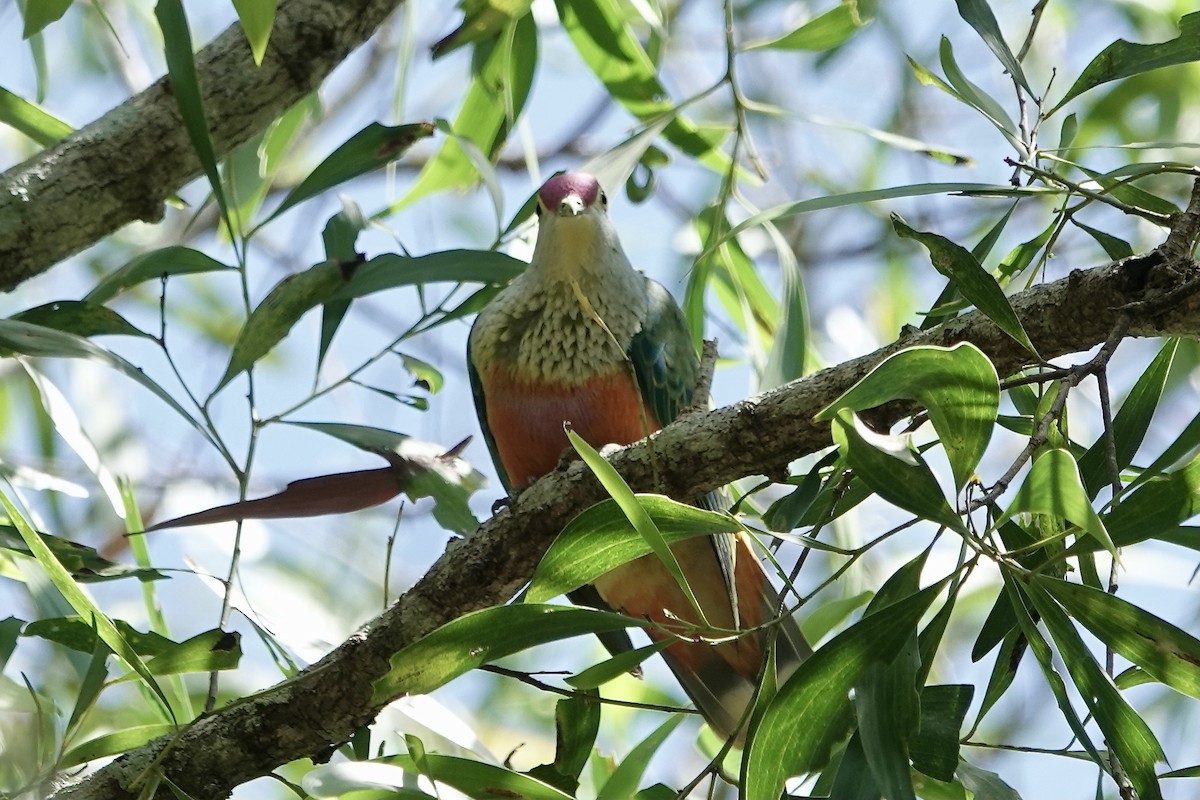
30, 119
339, 237
469, 776
370, 149
901, 477
576, 723
83, 563
819, 694
1053, 487
257, 17
602, 538
80, 318
115, 743
967, 92
1130, 423
1126, 733
1164, 651
1121, 59
823, 32
979, 15
1155, 509
174, 260
40, 13
621, 664
982, 784
391, 270
483, 636
482, 20
957, 385
343, 778
972, 280
624, 780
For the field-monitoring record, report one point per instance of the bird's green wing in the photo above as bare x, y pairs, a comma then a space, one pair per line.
663, 357
481, 413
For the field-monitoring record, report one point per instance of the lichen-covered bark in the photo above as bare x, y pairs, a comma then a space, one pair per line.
123, 166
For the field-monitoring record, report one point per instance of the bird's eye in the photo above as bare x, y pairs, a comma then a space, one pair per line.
603, 199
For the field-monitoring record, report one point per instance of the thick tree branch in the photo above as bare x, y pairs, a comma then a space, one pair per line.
123, 166
310, 714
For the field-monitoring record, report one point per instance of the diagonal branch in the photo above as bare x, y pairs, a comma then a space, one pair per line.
123, 166
312, 713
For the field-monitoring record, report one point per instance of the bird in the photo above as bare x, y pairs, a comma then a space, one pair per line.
581, 338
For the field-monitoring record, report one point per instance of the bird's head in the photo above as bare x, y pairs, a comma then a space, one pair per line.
575, 233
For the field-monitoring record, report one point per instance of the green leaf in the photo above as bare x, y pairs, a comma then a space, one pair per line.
30, 119
469, 776
1130, 423
35, 340
1169, 654
979, 15
981, 101
112, 744
1122, 59
972, 280
281, 309
372, 148
83, 563
615, 485
576, 723
391, 270
1005, 669
601, 33
602, 538
982, 784
1155, 509
818, 694
174, 260
80, 318
40, 13
621, 664
369, 780
257, 17
1053, 487
935, 748
823, 32
957, 385
483, 636
1114, 248
185, 86
1127, 734
482, 20
83, 605
339, 237
897, 474
624, 780
205, 652
832, 613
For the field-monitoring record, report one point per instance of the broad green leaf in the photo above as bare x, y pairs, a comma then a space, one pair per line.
615, 485
30, 119
370, 149
818, 694
391, 270
503, 70
1127, 734
1114, 247
76, 634
80, 318
957, 385
35, 340
1122, 59
256, 17
1164, 651
482, 20
624, 780
576, 723
1125, 191
853, 780
484, 636
185, 86
946, 305
899, 475
935, 748
979, 16
83, 604
602, 538
612, 668
112, 744
823, 32
600, 31
1021, 256
174, 260
972, 280
1053, 487
205, 652
40, 13
785, 514
1131, 422
273, 318
83, 563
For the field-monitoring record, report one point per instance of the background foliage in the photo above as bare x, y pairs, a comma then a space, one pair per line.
807, 178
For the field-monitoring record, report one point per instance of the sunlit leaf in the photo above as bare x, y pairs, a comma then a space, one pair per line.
371, 778
819, 693
980, 17
957, 385
483, 636
256, 17
823, 32
112, 744
1053, 487
1121, 59
624, 780
40, 13
30, 119
984, 785
482, 19
621, 664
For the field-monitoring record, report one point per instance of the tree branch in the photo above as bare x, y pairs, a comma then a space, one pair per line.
312, 713
124, 165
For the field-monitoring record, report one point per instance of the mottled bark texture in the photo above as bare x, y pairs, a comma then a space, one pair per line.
123, 166
1156, 294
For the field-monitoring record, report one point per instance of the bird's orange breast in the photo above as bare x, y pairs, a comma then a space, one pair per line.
526, 418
